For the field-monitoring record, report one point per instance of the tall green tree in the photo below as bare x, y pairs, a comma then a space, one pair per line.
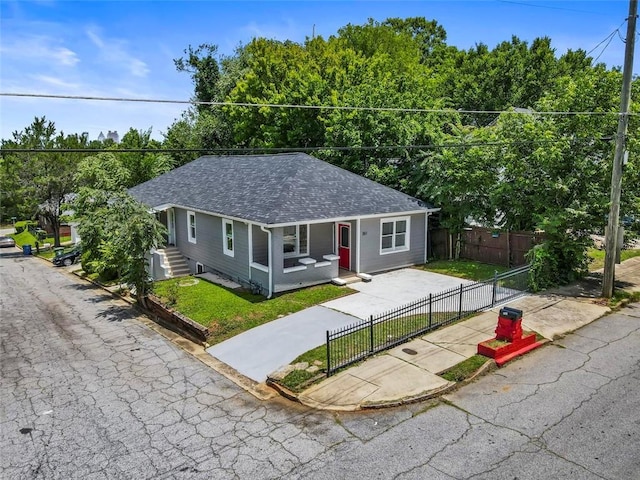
143, 165
202, 65
38, 183
117, 231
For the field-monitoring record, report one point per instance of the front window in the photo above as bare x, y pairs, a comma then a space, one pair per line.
295, 240
394, 234
191, 226
227, 237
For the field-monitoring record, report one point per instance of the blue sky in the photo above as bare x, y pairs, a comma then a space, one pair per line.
126, 48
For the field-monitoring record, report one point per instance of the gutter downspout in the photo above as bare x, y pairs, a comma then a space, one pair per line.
268, 232
250, 239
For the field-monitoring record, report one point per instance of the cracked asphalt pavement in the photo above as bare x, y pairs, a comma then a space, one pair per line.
88, 391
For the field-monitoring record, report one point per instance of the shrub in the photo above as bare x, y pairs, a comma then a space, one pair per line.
23, 225
561, 259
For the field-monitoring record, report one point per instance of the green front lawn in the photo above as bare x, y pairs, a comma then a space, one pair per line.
597, 257
25, 238
230, 312
467, 269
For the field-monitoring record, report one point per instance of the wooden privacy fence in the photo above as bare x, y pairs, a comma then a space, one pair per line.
486, 245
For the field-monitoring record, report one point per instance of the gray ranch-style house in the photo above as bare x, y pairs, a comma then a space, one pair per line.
281, 222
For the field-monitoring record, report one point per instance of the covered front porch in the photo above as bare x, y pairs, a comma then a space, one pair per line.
295, 256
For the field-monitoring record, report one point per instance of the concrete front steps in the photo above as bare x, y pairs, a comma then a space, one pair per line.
173, 262
347, 278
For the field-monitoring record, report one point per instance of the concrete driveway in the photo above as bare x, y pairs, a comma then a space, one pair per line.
262, 350
390, 290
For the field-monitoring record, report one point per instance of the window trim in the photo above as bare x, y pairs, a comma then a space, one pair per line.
407, 234
190, 237
228, 251
296, 252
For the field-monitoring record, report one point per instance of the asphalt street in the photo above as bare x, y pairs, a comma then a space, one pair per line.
88, 391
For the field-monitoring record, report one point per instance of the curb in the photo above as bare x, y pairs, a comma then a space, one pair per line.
409, 400
284, 391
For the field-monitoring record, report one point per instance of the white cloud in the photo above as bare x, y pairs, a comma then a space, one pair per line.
138, 68
40, 47
55, 81
93, 36
115, 51
66, 57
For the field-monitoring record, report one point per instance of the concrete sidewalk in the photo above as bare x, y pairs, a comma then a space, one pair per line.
399, 375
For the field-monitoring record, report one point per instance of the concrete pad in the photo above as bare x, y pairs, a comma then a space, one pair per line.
390, 290
531, 303
628, 274
361, 306
340, 392
563, 317
218, 280
484, 322
264, 349
429, 357
380, 380
402, 381
458, 339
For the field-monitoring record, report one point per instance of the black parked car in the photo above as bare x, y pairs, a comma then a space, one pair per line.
69, 258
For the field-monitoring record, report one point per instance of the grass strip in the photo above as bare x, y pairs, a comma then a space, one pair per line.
464, 369
466, 269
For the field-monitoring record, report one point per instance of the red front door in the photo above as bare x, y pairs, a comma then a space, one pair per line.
344, 245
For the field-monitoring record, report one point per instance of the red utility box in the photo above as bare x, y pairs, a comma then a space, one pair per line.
509, 324
510, 341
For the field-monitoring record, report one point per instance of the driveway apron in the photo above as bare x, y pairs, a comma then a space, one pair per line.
262, 350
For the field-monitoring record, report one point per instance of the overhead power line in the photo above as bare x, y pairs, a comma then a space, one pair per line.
294, 106
302, 149
608, 39
524, 4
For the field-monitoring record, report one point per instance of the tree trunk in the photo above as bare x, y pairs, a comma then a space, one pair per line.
56, 232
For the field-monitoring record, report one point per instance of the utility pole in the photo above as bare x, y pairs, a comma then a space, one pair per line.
611, 235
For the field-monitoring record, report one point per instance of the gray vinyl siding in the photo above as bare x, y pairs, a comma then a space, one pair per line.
305, 278
277, 254
208, 247
372, 261
162, 218
260, 241
261, 278
320, 240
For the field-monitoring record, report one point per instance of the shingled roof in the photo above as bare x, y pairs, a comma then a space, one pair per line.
273, 190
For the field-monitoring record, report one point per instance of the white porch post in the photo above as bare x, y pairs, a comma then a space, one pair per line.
426, 236
250, 238
358, 235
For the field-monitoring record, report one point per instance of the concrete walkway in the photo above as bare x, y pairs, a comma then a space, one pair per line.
264, 349
400, 375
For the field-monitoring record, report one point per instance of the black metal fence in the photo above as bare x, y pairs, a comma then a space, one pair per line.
355, 342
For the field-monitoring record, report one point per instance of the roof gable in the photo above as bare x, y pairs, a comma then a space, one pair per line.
273, 189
